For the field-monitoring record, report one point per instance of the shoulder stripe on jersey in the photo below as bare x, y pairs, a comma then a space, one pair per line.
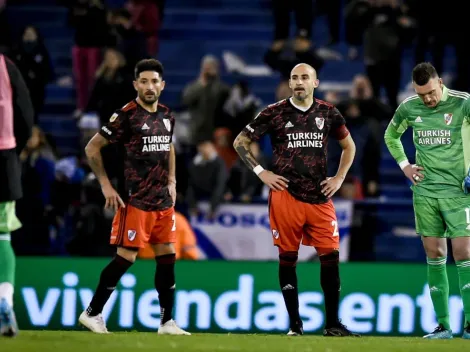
413, 97
458, 96
458, 92
410, 98
129, 106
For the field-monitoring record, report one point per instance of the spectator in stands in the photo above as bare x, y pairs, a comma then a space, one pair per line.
244, 183
365, 169
126, 38
91, 222
241, 107
369, 105
5, 33
283, 54
223, 143
147, 16
32, 58
205, 99
113, 86
356, 21
384, 40
207, 178
35, 208
186, 241
88, 17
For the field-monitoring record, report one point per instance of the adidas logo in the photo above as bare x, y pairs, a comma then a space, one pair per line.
288, 287
466, 287
145, 127
418, 119
289, 124
433, 289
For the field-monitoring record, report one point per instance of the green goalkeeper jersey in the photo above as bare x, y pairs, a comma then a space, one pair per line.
441, 136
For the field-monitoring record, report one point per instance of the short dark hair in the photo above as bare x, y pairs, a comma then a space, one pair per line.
423, 72
148, 65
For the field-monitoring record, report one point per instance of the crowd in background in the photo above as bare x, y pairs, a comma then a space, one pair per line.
63, 206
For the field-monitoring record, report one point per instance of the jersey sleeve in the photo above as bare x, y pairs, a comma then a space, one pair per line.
338, 126
172, 123
393, 133
466, 110
117, 128
260, 125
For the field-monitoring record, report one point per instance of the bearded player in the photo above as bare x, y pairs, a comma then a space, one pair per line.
300, 205
144, 202
440, 119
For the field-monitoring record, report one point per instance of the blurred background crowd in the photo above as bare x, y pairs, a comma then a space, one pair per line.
224, 61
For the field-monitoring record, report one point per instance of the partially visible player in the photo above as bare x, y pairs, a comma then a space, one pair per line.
440, 119
144, 201
16, 122
300, 205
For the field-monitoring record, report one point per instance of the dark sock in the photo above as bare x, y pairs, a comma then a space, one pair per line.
331, 286
165, 285
109, 278
288, 282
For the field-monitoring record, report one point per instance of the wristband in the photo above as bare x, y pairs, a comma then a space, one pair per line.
403, 164
258, 169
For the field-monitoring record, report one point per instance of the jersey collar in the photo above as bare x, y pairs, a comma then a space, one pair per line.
445, 93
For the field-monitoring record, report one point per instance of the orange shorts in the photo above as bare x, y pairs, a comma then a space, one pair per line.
294, 222
134, 228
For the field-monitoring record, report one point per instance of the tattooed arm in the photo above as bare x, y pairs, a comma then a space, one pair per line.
242, 146
95, 160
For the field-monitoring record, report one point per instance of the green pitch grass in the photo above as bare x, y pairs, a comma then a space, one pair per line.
72, 341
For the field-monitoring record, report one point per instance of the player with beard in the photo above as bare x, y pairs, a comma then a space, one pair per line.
145, 196
300, 205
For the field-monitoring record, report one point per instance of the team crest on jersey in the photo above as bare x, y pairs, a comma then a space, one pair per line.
448, 118
275, 234
113, 117
320, 121
131, 234
167, 124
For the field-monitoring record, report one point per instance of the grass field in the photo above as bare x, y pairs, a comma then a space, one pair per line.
66, 341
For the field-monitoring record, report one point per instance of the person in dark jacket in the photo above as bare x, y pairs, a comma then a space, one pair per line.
16, 122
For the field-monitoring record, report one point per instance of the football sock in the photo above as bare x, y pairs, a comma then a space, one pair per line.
463, 268
331, 286
109, 279
439, 289
165, 285
7, 268
288, 283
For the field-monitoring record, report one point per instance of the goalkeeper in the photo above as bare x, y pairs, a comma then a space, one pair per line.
441, 135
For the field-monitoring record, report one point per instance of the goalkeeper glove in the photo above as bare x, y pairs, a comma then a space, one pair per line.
466, 183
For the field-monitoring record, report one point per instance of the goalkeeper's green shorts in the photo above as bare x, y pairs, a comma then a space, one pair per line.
8, 220
442, 217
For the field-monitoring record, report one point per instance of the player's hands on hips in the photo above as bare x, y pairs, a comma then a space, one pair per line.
172, 190
273, 181
331, 185
113, 200
412, 172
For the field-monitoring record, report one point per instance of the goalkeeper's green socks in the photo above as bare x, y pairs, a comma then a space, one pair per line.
463, 268
439, 289
7, 268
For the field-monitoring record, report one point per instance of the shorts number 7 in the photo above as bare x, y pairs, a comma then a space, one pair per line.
334, 223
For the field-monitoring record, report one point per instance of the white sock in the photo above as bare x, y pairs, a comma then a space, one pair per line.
6, 291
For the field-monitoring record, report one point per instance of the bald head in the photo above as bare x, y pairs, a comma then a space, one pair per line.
303, 81
302, 68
